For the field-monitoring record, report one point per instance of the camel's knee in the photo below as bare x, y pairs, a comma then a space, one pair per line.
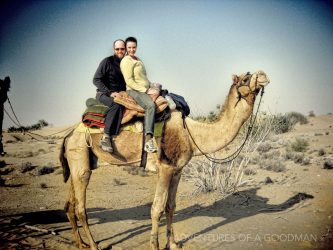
68, 206
170, 208
81, 176
82, 215
156, 213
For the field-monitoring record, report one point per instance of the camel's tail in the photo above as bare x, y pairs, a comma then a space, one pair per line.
63, 160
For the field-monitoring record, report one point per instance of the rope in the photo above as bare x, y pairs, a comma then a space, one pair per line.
18, 124
235, 154
14, 112
11, 118
89, 143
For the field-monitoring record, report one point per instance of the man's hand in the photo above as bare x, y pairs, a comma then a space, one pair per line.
114, 94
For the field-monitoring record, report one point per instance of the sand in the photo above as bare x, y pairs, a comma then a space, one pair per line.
295, 211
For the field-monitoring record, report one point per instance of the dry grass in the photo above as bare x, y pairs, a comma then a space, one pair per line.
226, 178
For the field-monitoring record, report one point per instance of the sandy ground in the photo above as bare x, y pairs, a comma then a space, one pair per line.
293, 212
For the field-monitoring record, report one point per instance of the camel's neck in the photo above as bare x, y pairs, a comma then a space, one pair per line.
211, 137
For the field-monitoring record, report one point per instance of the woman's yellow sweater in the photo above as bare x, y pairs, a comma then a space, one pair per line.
134, 73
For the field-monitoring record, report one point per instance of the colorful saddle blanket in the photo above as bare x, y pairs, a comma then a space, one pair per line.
94, 115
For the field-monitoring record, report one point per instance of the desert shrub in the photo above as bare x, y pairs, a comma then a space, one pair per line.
282, 124
299, 145
2, 163
26, 166
6, 171
311, 113
328, 164
264, 147
45, 170
274, 165
306, 161
321, 152
209, 176
2, 182
43, 185
39, 125
296, 117
250, 171
289, 155
298, 157
271, 154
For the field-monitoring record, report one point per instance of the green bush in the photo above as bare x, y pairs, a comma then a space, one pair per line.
299, 145
285, 123
39, 125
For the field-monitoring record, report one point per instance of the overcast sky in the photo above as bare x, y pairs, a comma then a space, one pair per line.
51, 50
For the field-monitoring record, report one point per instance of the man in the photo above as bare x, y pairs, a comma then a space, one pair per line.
4, 88
109, 81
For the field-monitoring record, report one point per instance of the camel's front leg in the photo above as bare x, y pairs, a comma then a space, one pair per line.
161, 195
170, 209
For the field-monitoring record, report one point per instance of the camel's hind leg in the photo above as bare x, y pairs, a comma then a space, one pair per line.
70, 212
78, 161
170, 209
80, 187
161, 195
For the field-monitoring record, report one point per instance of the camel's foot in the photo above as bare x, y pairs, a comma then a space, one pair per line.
82, 245
174, 246
154, 246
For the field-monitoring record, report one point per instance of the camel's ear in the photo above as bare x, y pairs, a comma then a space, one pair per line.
235, 79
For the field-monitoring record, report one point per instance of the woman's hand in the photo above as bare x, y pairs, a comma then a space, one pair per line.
153, 93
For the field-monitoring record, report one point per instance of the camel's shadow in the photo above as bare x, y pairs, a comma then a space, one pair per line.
232, 208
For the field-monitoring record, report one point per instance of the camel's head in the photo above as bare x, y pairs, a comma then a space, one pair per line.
250, 83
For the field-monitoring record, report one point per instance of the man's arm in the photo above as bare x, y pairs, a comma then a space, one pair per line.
99, 77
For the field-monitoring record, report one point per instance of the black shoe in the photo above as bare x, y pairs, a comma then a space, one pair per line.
106, 144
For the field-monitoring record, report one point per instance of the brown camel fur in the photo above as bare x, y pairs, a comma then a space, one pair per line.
175, 150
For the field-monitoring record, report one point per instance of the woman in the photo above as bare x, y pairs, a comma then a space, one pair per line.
137, 85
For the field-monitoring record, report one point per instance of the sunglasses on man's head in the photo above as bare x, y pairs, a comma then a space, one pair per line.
120, 49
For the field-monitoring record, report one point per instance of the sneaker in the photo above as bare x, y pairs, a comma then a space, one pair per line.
106, 144
150, 146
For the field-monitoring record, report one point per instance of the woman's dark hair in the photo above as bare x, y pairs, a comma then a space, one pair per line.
131, 39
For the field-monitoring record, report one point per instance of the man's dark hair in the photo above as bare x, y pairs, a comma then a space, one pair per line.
121, 40
131, 39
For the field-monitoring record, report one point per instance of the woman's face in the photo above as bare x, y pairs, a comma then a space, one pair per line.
131, 48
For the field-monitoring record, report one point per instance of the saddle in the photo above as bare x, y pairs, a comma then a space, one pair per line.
95, 113
133, 109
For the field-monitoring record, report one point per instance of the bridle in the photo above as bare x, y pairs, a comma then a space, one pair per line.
249, 129
241, 83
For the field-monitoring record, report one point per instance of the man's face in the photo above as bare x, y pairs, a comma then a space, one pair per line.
119, 49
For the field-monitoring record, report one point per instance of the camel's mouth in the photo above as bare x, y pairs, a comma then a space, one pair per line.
262, 79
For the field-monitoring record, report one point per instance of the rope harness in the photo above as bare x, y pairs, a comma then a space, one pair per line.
18, 124
235, 154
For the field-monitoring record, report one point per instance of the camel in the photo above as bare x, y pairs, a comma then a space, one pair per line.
176, 148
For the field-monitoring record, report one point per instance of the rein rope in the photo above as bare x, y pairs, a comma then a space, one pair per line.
235, 154
31, 134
